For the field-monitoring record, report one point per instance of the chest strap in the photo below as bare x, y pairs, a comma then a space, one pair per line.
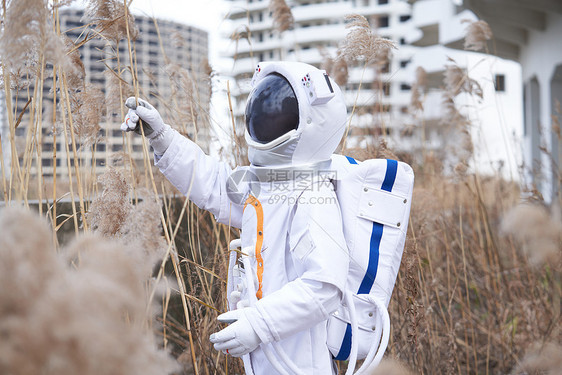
254, 202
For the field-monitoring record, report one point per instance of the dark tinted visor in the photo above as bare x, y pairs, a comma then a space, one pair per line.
272, 109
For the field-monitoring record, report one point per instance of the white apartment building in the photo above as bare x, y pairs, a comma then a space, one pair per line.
157, 58
382, 100
526, 32
439, 28
384, 107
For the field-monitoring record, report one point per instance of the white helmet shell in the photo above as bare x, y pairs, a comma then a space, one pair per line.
322, 118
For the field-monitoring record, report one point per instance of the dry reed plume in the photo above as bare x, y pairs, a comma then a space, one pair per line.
457, 81
477, 34
360, 44
336, 67
389, 367
87, 107
542, 359
538, 232
281, 14
478, 291
27, 33
110, 19
81, 311
418, 89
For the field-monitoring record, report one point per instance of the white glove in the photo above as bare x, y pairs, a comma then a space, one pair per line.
237, 339
157, 132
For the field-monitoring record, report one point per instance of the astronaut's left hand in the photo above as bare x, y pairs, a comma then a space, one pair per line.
238, 338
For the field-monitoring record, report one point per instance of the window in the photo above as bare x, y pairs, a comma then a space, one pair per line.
97, 67
382, 21
405, 87
73, 24
402, 41
404, 18
385, 68
499, 82
381, 2
404, 63
97, 80
386, 88
48, 147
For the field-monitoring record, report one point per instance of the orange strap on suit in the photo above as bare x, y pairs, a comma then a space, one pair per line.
254, 202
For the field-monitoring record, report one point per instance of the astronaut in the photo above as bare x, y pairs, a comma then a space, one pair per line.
295, 119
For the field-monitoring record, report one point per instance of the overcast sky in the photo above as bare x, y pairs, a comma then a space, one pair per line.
205, 14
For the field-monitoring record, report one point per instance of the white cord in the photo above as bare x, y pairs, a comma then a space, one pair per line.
354, 333
253, 299
383, 323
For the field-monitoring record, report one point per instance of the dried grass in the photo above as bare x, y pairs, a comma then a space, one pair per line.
109, 18
479, 282
477, 34
389, 367
360, 44
74, 70
542, 359
28, 33
183, 113
539, 233
81, 313
109, 211
419, 87
282, 16
87, 109
457, 81
336, 67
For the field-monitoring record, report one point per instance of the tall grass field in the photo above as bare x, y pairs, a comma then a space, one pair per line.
108, 270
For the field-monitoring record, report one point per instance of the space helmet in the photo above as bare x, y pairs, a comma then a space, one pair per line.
295, 115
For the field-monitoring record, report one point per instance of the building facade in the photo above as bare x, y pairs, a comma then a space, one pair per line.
528, 33
439, 28
319, 27
380, 100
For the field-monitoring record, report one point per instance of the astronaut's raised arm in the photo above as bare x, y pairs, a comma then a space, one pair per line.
198, 176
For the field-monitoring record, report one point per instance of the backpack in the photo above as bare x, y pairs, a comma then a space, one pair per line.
375, 199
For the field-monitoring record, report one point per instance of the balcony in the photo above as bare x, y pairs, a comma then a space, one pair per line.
239, 8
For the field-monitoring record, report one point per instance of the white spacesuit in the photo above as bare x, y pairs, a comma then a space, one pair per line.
295, 118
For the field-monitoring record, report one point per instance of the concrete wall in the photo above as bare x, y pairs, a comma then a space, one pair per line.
540, 58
